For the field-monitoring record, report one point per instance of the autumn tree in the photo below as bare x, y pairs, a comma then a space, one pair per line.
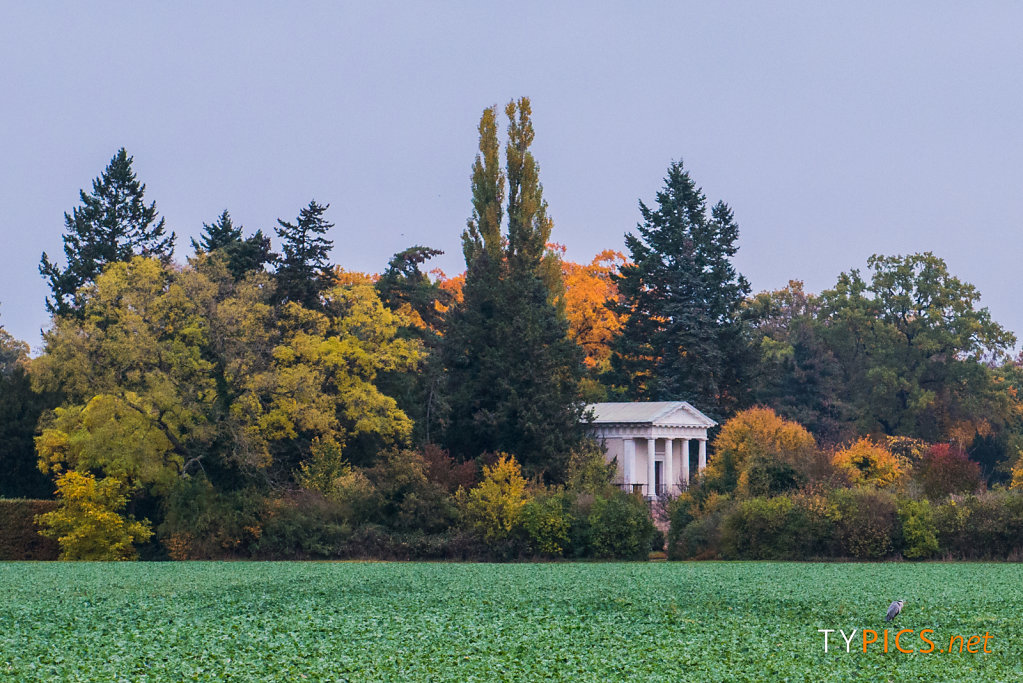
242, 253
112, 225
303, 271
176, 374
759, 453
685, 337
868, 462
512, 370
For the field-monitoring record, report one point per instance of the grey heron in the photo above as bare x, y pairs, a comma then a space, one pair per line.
894, 609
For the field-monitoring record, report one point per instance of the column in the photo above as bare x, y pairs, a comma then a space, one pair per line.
669, 465
703, 455
685, 462
651, 446
628, 462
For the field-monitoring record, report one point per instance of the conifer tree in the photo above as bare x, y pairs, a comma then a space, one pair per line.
243, 254
303, 270
113, 224
512, 371
685, 338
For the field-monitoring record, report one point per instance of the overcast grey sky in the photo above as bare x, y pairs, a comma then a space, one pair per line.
833, 132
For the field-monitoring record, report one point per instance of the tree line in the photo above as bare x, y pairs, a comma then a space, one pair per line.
181, 408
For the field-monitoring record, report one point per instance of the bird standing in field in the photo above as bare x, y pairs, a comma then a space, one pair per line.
894, 609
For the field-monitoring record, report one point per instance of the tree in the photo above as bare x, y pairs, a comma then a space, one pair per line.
916, 349
512, 371
590, 293
113, 224
303, 272
405, 288
242, 253
20, 408
183, 374
761, 454
685, 337
797, 374
867, 462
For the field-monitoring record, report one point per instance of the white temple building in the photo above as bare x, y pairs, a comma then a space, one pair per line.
651, 442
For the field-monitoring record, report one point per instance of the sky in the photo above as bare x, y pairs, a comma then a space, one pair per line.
833, 132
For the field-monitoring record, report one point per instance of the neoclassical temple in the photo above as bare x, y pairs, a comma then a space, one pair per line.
651, 442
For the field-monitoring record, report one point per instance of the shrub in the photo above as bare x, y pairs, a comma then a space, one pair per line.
546, 523
919, 534
88, 523
19, 534
494, 507
866, 462
700, 539
682, 510
946, 469
406, 499
304, 525
442, 469
866, 522
203, 523
620, 527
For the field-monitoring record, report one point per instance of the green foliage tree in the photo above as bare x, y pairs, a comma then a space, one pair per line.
20, 408
113, 224
797, 374
915, 347
243, 254
512, 370
303, 271
405, 288
685, 336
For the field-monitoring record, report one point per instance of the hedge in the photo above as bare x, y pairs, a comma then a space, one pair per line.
19, 535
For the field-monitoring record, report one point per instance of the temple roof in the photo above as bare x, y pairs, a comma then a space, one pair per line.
657, 413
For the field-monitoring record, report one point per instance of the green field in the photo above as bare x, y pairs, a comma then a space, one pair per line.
395, 621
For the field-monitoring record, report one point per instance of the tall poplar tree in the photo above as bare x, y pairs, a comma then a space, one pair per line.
685, 337
113, 224
512, 370
303, 269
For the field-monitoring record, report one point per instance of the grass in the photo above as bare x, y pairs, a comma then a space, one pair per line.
465, 622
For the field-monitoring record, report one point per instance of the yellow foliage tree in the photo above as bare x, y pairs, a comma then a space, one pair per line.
760, 453
89, 525
494, 507
866, 462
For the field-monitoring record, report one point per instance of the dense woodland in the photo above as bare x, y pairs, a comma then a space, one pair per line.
253, 402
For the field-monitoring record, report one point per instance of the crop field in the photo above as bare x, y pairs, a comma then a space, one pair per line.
396, 621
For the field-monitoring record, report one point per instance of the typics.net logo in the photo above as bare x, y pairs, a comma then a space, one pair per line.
906, 641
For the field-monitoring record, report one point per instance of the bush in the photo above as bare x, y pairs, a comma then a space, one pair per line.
620, 527
546, 523
946, 469
866, 522
919, 534
88, 523
493, 509
406, 499
19, 535
202, 523
303, 526
700, 539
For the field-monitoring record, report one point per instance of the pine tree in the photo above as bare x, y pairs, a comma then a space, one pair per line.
243, 254
113, 224
303, 271
685, 338
512, 371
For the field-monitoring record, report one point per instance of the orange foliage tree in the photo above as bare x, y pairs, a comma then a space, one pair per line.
588, 288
